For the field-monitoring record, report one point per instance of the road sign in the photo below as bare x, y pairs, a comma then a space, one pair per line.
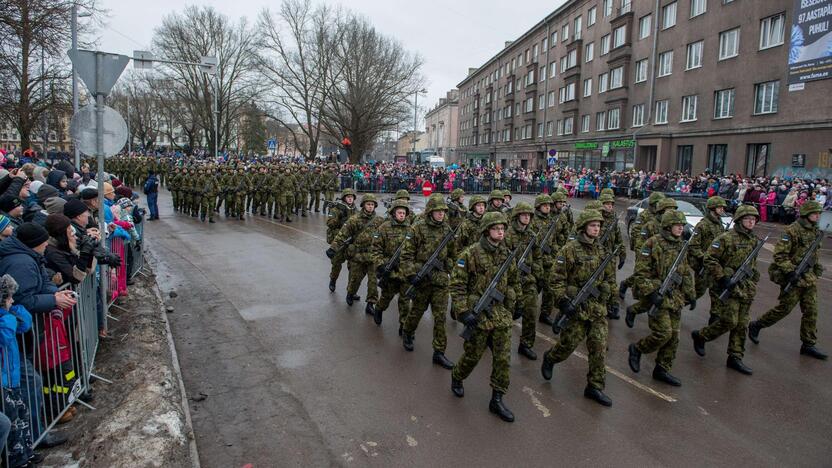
83, 131
98, 70
552, 161
272, 144
142, 60
553, 152
208, 65
427, 188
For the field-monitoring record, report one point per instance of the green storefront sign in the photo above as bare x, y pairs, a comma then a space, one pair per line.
586, 145
616, 144
623, 144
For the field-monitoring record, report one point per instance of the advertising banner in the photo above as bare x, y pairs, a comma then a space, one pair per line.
810, 47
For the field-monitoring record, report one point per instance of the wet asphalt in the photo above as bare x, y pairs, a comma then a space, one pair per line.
281, 372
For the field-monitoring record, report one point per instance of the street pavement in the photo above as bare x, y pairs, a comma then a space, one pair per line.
281, 372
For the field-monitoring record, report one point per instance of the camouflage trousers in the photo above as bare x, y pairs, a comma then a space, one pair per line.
499, 340
207, 205
300, 201
285, 205
663, 338
389, 289
594, 331
358, 270
315, 200
547, 298
807, 297
527, 302
177, 200
437, 298
732, 317
337, 263
235, 204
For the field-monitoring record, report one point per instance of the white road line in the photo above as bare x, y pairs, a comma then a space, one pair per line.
289, 227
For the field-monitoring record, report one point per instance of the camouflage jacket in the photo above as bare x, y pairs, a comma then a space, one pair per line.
474, 270
361, 228
337, 216
517, 239
424, 238
706, 231
614, 239
726, 254
456, 214
329, 181
469, 232
635, 229
303, 182
652, 265
386, 240
208, 185
574, 264
540, 223
789, 251
563, 229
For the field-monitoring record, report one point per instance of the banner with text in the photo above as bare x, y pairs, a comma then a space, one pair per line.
810, 48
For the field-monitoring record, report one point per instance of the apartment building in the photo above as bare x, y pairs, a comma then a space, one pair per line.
666, 85
441, 127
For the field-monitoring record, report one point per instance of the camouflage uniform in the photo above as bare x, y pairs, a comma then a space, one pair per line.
563, 229
174, 184
315, 187
330, 185
285, 194
788, 253
469, 232
706, 231
208, 191
492, 197
360, 262
388, 238
422, 241
614, 240
239, 187
338, 215
404, 195
541, 223
518, 237
456, 210
652, 265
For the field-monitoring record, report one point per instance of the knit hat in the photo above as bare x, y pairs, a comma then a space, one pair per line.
54, 205
56, 225
31, 234
35, 186
46, 192
8, 286
4, 221
74, 207
108, 188
88, 194
9, 202
124, 192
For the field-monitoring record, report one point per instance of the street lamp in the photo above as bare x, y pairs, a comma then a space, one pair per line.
74, 27
415, 107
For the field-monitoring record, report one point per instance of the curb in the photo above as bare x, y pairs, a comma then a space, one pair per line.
194, 453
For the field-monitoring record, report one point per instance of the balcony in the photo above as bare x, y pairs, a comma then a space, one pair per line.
624, 9
619, 55
531, 88
571, 72
615, 95
570, 106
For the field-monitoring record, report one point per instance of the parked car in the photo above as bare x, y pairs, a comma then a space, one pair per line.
693, 208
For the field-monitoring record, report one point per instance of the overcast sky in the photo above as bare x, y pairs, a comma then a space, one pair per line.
450, 35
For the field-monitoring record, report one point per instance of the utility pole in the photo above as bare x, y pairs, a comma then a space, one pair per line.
129, 133
43, 98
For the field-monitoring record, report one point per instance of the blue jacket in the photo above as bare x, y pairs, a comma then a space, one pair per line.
15, 321
35, 292
108, 218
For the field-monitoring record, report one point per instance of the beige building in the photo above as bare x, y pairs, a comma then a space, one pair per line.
442, 128
405, 144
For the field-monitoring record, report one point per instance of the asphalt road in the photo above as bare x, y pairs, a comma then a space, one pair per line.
283, 373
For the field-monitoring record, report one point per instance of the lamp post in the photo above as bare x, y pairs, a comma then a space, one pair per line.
74, 28
415, 108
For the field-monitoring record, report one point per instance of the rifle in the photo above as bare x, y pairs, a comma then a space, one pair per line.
672, 279
348, 241
544, 243
391, 264
744, 271
808, 261
521, 262
586, 291
608, 231
430, 264
490, 297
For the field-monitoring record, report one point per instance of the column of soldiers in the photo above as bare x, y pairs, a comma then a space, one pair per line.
525, 262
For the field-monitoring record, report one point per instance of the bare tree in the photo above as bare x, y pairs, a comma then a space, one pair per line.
199, 32
298, 60
35, 36
377, 75
133, 97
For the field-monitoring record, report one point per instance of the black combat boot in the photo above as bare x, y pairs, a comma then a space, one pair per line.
211, 220
370, 309
595, 394
352, 298
622, 290
547, 367
712, 318
546, 319
635, 358
377, 315
407, 341
527, 351
303, 215
457, 388
288, 219
754, 333
630, 317
736, 363
662, 375
400, 329
698, 342
440, 360
812, 351
497, 407
612, 312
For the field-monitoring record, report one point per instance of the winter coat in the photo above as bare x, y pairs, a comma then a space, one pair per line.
15, 321
35, 289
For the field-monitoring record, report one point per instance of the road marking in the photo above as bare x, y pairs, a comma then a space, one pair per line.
536, 402
614, 372
411, 441
289, 227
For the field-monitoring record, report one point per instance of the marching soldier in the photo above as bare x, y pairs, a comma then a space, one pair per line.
613, 240
208, 184
338, 215
789, 251
574, 266
520, 233
470, 232
706, 231
456, 210
315, 187
330, 184
388, 239
495, 201
476, 267
507, 203
636, 238
563, 228
421, 243
727, 253
653, 264
402, 194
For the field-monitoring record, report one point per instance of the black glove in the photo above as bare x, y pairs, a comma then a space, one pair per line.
566, 307
412, 279
468, 319
655, 298
517, 313
621, 263
692, 304
792, 277
330, 252
379, 271
723, 283
113, 260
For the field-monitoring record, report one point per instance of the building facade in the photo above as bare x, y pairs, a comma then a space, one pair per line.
442, 126
689, 85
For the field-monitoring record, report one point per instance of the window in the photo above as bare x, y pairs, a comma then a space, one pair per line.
669, 15
535, 50
567, 93
564, 33
529, 105
717, 158
529, 78
568, 124
517, 109
585, 123
588, 87
684, 158
694, 57
605, 44
572, 58
645, 23
614, 118
661, 112
729, 43
619, 36
551, 98
756, 159
607, 8
765, 97
549, 128
554, 38
545, 44
724, 104
590, 16
578, 27
589, 52
541, 102
698, 7
540, 130
560, 127
553, 69
510, 86
527, 132
603, 82
617, 77
541, 72
638, 115
666, 63
601, 121
772, 31
641, 70
689, 108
